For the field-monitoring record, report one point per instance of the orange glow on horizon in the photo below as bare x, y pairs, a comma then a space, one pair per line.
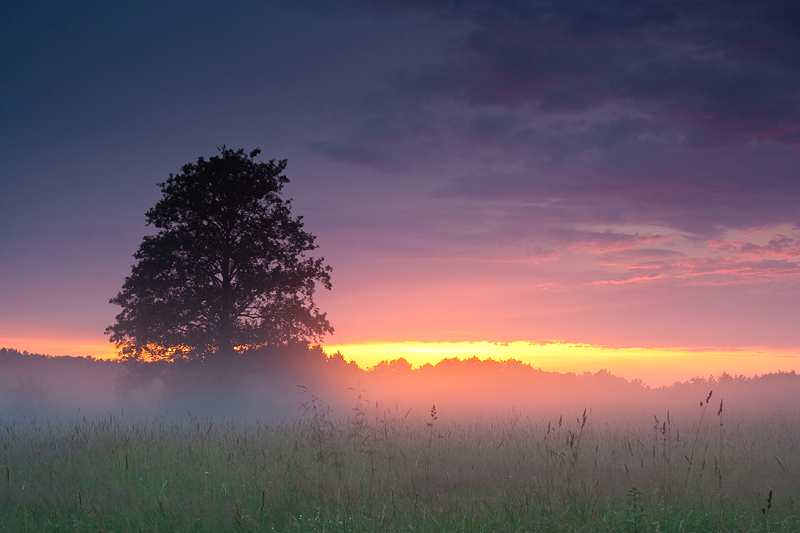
655, 366
46, 346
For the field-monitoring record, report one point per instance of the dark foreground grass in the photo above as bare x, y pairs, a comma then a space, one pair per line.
394, 473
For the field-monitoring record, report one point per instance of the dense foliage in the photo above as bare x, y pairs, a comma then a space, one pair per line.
228, 270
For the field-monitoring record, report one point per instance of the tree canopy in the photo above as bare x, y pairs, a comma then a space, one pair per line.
227, 272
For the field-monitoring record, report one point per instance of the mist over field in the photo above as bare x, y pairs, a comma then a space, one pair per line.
309, 442
281, 387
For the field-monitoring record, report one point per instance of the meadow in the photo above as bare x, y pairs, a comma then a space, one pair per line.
372, 469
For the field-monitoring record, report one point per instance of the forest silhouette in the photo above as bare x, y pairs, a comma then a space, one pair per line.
280, 380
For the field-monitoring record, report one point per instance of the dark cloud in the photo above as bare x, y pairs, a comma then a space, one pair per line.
730, 67
684, 114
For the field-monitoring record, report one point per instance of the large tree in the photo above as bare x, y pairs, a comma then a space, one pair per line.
228, 270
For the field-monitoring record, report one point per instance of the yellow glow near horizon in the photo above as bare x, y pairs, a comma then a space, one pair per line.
46, 346
656, 366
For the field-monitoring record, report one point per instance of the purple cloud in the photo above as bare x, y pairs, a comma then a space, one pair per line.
684, 115
730, 68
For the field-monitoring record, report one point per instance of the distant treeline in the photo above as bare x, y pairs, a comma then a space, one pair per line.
274, 383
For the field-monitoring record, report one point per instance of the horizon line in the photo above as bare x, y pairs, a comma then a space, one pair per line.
655, 366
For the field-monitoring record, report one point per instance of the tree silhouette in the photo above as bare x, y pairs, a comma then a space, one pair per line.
227, 272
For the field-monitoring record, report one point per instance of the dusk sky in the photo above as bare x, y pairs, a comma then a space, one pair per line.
622, 175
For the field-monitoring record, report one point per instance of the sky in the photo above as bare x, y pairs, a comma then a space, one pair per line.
616, 179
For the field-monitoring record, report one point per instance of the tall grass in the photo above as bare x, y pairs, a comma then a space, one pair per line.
377, 470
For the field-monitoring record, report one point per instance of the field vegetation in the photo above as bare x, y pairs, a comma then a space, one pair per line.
388, 471
321, 445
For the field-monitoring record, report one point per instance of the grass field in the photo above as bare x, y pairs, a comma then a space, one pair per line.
372, 471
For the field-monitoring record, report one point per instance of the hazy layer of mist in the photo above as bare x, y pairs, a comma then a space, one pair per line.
290, 383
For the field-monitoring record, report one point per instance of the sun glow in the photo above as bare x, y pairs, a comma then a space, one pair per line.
656, 366
50, 346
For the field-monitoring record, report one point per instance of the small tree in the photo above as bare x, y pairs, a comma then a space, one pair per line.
226, 273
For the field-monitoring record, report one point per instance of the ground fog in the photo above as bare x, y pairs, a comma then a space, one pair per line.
280, 385
313, 443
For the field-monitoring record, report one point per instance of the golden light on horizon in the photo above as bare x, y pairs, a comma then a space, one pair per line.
56, 347
656, 366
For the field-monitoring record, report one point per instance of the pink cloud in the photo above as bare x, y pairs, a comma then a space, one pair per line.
730, 271
721, 263
607, 241
778, 246
638, 279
